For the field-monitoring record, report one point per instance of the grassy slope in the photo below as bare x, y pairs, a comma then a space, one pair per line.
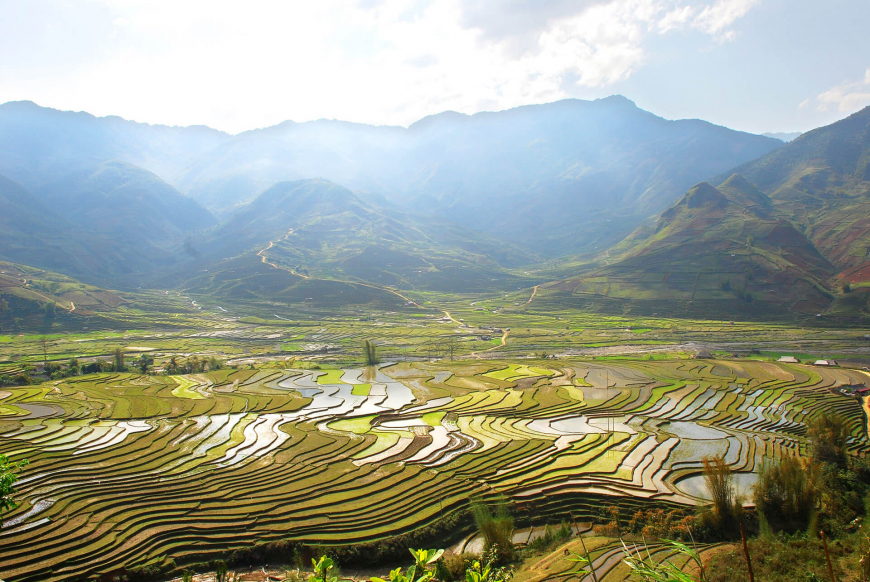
724, 246
822, 180
317, 228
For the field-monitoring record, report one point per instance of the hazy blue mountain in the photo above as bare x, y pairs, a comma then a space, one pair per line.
564, 177
39, 144
29, 231
132, 205
107, 225
588, 170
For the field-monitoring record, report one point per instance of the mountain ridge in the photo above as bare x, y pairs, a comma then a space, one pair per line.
488, 171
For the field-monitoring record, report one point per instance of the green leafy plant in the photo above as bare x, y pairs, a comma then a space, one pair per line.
323, 570
8, 478
648, 570
421, 571
483, 571
221, 572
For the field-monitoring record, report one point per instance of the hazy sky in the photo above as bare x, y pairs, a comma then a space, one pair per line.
756, 65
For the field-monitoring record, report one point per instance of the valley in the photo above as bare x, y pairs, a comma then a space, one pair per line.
333, 338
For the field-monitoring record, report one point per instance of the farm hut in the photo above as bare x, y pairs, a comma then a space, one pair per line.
863, 391
825, 363
788, 359
703, 355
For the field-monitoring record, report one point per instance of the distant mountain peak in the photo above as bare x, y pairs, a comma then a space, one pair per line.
437, 118
617, 99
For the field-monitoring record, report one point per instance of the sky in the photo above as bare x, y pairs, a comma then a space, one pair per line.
752, 65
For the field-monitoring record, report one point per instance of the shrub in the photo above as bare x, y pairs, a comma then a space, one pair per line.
21, 380
611, 527
843, 493
786, 495
483, 570
497, 530
828, 434
724, 516
451, 567
551, 538
658, 524
783, 558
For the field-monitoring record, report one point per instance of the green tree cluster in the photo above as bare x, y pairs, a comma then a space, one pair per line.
370, 353
192, 365
830, 490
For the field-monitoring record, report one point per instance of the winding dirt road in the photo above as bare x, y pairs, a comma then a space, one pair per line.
263, 258
534, 292
262, 255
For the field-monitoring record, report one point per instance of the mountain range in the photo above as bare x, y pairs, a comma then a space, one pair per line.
658, 210
789, 231
566, 164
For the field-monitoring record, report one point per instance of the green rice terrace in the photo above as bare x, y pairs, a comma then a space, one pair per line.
129, 469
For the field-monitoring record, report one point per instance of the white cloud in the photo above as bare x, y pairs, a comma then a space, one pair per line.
847, 97
235, 66
716, 18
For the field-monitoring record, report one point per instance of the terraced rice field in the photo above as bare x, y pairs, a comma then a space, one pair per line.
129, 470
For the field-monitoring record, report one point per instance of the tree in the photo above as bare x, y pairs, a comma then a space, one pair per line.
8, 477
119, 360
370, 353
787, 493
726, 506
829, 434
50, 312
145, 361
451, 344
